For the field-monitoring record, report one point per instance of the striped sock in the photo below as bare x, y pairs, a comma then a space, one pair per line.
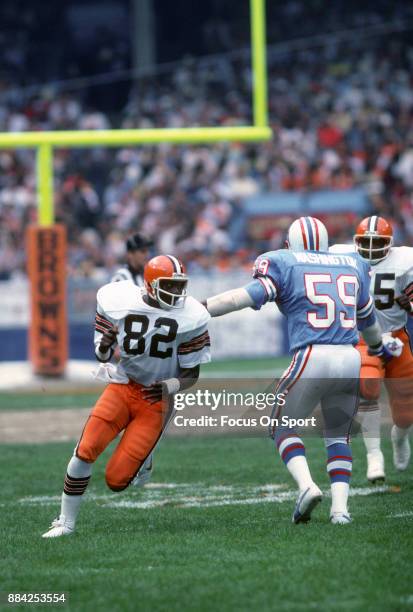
289, 445
75, 486
339, 465
76, 481
339, 462
292, 452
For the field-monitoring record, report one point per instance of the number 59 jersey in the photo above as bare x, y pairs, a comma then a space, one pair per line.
389, 278
325, 297
154, 344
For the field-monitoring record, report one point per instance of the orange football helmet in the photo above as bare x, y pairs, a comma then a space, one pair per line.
374, 238
165, 281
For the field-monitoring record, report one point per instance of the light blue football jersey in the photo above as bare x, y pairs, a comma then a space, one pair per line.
324, 296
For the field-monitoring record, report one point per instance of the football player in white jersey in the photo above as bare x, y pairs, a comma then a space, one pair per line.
392, 289
137, 253
163, 338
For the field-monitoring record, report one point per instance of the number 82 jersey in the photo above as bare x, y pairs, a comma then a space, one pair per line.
155, 344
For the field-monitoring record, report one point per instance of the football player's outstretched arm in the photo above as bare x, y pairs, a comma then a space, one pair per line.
259, 291
229, 301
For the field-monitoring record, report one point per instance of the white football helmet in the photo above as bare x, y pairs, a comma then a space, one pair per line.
307, 234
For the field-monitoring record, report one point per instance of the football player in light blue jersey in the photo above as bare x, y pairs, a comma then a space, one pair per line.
326, 300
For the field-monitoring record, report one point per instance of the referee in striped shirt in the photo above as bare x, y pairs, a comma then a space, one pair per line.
137, 254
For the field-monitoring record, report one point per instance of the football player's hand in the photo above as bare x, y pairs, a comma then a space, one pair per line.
382, 352
154, 392
108, 338
404, 302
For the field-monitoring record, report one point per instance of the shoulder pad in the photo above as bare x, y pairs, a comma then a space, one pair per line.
117, 299
362, 262
403, 257
264, 261
192, 316
342, 248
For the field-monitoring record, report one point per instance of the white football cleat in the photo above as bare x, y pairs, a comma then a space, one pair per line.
401, 450
340, 518
375, 467
306, 502
144, 475
59, 527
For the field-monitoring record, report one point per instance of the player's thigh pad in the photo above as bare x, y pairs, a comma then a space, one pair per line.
329, 370
399, 384
109, 416
301, 385
138, 440
401, 401
371, 374
339, 407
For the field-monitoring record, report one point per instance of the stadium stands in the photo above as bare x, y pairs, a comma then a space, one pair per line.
341, 111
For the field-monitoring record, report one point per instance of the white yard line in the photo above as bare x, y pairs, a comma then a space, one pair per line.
197, 495
400, 515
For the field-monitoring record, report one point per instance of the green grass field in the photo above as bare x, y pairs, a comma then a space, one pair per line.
212, 531
219, 537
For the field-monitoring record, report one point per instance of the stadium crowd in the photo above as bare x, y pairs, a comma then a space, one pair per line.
342, 115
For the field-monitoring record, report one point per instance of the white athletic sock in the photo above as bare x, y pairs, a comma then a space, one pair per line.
339, 497
70, 508
401, 432
299, 470
76, 481
370, 424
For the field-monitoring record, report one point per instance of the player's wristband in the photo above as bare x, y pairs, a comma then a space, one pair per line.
381, 351
172, 385
376, 350
104, 356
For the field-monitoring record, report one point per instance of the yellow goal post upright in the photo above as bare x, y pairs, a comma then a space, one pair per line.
48, 344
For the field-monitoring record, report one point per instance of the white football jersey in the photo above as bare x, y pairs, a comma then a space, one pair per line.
155, 344
389, 278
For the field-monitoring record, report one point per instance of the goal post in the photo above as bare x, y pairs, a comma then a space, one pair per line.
45, 142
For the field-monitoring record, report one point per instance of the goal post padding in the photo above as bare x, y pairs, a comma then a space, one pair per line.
48, 335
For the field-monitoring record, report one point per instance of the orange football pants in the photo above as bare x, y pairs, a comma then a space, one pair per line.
122, 408
398, 378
